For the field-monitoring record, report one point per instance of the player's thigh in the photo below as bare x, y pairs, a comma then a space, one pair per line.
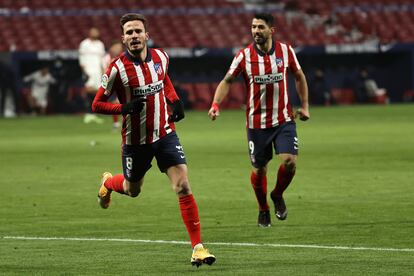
136, 161
286, 141
169, 152
260, 146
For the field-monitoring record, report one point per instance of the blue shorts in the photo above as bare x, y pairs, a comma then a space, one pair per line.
283, 138
136, 160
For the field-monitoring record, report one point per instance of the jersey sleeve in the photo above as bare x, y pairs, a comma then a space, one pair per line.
169, 90
110, 80
292, 60
236, 65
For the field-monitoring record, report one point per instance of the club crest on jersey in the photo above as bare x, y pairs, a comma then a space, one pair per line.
269, 78
279, 62
158, 68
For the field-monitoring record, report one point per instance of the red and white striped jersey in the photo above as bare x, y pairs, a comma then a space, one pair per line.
128, 78
265, 75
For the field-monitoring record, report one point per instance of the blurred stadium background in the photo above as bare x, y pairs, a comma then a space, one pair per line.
339, 37
351, 201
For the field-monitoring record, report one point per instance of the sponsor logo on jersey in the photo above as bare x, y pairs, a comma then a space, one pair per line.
269, 78
279, 62
158, 68
149, 89
104, 81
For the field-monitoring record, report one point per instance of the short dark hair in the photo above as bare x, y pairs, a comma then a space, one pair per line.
132, 17
266, 17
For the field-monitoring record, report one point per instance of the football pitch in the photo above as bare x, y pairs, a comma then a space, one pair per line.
351, 203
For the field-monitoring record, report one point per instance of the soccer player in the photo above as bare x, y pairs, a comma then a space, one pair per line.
40, 81
269, 115
91, 55
114, 51
140, 80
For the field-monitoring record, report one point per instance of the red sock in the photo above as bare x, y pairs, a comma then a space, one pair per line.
284, 178
259, 183
189, 213
115, 118
115, 183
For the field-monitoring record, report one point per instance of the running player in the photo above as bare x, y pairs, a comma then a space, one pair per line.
270, 119
140, 80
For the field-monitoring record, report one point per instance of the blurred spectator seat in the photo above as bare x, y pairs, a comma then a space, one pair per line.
203, 95
408, 96
342, 96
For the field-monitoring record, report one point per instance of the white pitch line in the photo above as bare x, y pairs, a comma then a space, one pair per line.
242, 244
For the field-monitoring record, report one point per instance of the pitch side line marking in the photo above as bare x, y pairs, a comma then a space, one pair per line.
242, 244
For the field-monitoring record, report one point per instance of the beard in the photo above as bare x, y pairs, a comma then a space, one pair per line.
136, 51
260, 40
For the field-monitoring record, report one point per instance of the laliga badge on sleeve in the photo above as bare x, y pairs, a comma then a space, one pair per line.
104, 82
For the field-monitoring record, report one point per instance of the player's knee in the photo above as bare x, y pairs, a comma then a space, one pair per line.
132, 189
134, 192
261, 171
290, 164
182, 188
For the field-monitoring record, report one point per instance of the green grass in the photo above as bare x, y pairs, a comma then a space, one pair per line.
353, 188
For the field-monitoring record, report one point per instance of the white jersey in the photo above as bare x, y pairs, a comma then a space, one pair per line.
91, 55
40, 86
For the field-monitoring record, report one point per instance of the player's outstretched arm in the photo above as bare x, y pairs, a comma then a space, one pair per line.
221, 92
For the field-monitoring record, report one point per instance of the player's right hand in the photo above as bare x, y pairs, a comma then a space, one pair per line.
303, 114
214, 111
133, 107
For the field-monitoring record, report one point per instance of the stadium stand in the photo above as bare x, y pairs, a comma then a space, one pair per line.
43, 25
26, 25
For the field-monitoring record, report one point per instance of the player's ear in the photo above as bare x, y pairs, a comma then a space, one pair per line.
146, 36
272, 29
123, 39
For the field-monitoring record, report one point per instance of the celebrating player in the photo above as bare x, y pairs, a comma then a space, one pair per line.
270, 119
139, 79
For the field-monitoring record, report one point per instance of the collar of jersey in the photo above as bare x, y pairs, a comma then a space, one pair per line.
137, 60
261, 53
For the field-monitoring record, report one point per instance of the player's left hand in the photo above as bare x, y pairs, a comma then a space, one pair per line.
178, 111
303, 114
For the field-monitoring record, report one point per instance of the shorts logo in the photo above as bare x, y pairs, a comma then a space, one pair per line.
181, 151
149, 89
296, 143
269, 78
104, 82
